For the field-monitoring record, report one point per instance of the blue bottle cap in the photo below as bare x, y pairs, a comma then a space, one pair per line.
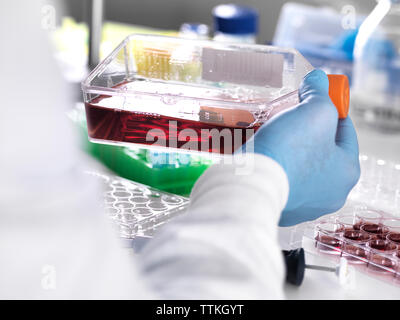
235, 19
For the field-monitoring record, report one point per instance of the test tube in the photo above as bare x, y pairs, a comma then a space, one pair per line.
328, 237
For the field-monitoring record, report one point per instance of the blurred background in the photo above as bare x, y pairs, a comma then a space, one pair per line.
171, 14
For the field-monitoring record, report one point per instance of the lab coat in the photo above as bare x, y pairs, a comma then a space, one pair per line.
54, 240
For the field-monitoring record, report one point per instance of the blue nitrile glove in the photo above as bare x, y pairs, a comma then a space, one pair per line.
318, 152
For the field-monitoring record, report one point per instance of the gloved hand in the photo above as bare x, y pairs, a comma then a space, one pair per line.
318, 152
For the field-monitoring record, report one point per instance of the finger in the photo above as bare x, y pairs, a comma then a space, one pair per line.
315, 101
315, 84
346, 136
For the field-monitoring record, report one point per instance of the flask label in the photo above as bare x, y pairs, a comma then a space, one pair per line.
248, 68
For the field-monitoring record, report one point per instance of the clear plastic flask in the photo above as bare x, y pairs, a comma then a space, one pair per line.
194, 95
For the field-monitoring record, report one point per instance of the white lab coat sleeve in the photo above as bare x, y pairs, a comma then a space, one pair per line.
226, 245
54, 240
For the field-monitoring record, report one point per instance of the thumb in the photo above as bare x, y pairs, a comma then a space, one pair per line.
315, 83
315, 101
346, 136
